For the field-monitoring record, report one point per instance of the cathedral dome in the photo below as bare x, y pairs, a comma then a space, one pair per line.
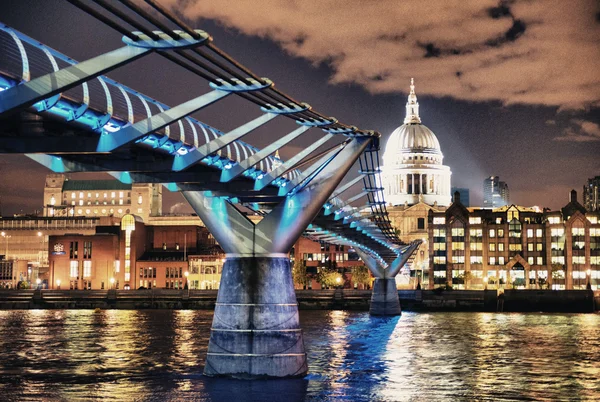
413, 169
413, 138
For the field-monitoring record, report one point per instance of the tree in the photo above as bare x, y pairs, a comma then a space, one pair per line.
557, 272
361, 275
299, 274
467, 276
329, 277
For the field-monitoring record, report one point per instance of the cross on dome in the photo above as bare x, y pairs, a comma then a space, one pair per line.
412, 106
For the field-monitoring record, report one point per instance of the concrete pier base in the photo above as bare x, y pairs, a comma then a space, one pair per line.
256, 331
384, 299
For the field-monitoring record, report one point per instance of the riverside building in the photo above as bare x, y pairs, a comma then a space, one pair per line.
515, 247
132, 254
64, 197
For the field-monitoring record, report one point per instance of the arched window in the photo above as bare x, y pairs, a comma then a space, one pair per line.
128, 222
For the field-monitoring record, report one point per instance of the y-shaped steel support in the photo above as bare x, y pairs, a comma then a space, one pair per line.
384, 298
256, 332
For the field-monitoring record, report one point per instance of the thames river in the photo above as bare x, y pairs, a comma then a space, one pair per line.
158, 355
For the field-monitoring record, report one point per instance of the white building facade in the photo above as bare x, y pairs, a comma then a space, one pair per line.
413, 169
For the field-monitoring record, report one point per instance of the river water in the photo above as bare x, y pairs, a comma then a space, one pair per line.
158, 355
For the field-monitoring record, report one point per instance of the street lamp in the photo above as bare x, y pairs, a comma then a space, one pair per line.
112, 282
187, 285
38, 281
485, 282
58, 283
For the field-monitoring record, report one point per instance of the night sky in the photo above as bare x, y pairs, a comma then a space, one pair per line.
510, 88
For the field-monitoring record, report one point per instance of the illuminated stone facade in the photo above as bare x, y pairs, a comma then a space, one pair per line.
515, 247
412, 169
64, 197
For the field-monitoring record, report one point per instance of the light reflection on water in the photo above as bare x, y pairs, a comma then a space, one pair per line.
159, 355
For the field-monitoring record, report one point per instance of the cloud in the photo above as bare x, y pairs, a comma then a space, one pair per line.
539, 52
586, 131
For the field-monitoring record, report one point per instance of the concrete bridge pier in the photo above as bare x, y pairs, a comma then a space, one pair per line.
384, 298
256, 330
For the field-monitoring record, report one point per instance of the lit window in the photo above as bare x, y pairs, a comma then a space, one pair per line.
81, 194
105, 195
128, 222
80, 202
87, 211
117, 266
89, 195
492, 260
87, 269
500, 246
498, 221
539, 247
458, 232
530, 260
139, 199
74, 269
529, 232
492, 233
593, 219
73, 195
79, 211
529, 246
120, 194
538, 233
112, 194
104, 211
500, 260
500, 232
52, 200
475, 220
554, 219
492, 246
539, 260
578, 231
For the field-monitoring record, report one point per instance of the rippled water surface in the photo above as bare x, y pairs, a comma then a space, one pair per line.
159, 355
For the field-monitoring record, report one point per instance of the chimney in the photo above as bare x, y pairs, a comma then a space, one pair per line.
573, 196
456, 197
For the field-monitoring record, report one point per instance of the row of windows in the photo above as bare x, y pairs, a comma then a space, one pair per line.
74, 250
113, 194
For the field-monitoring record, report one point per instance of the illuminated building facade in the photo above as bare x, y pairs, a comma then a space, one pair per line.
412, 169
495, 193
515, 247
591, 194
131, 255
92, 198
415, 182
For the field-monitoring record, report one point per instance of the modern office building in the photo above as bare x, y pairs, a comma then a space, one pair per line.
464, 195
515, 247
64, 197
591, 194
495, 193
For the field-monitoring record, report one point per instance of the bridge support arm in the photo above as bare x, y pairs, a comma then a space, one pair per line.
256, 330
396, 265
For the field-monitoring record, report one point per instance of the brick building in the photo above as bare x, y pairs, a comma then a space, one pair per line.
132, 255
515, 246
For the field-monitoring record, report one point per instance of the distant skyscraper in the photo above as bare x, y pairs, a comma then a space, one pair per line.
464, 195
495, 193
591, 194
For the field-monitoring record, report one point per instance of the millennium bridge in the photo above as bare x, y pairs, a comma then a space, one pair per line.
69, 117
